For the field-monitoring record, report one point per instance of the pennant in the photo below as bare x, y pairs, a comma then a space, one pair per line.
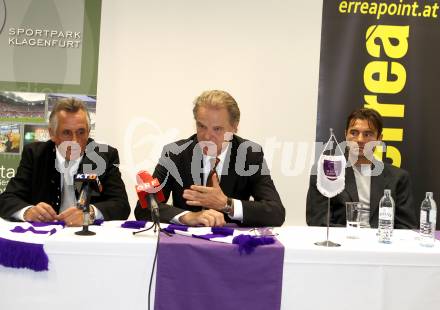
330, 178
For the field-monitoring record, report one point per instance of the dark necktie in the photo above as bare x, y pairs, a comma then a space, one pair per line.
214, 163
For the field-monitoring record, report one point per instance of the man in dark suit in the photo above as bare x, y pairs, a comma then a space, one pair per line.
43, 190
213, 174
361, 182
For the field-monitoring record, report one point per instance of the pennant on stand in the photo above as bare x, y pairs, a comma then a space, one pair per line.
330, 178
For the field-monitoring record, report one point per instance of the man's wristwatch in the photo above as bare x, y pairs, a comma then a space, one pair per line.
229, 208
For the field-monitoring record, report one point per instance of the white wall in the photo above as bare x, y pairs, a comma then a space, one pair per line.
157, 56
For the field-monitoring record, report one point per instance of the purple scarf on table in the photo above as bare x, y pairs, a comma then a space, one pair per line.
17, 252
194, 274
246, 242
27, 251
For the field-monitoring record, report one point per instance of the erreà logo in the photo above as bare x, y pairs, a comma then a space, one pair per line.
2, 15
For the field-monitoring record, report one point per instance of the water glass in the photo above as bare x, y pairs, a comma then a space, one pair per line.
353, 219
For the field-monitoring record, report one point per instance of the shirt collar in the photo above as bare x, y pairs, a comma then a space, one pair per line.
207, 159
61, 162
362, 170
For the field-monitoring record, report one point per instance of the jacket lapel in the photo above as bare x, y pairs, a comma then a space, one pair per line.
350, 184
378, 184
54, 179
192, 161
85, 160
228, 176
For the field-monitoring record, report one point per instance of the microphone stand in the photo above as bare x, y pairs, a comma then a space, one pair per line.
154, 208
327, 242
84, 205
155, 217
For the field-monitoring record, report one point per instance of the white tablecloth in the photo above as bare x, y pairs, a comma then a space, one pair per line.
111, 271
361, 274
107, 271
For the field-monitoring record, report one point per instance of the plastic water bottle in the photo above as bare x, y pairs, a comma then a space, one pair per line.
428, 216
386, 217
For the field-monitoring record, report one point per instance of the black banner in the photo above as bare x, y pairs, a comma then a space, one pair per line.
385, 55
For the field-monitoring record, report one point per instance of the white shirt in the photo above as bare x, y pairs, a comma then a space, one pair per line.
59, 164
362, 175
207, 160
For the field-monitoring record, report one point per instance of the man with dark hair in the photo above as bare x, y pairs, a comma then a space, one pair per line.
364, 127
213, 174
43, 190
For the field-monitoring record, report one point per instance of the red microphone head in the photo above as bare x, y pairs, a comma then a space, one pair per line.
143, 177
148, 185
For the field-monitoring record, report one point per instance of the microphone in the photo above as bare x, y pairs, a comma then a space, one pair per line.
89, 185
149, 193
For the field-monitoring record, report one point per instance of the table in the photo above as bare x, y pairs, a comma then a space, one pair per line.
361, 274
111, 271
107, 271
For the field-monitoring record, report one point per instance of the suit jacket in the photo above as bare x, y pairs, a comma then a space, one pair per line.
393, 178
37, 180
174, 173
